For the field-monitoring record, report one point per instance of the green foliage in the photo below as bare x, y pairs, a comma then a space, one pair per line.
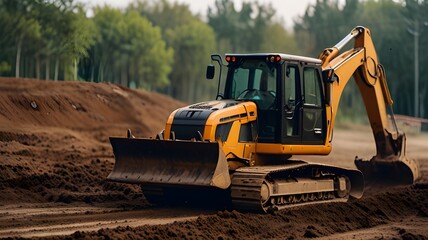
37, 34
387, 25
156, 45
277, 39
163, 46
240, 31
129, 50
192, 40
164, 14
416, 21
18, 27
4, 67
325, 23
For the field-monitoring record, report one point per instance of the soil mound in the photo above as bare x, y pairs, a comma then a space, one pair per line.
81, 106
54, 142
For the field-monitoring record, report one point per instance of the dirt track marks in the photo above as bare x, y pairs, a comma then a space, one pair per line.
38, 220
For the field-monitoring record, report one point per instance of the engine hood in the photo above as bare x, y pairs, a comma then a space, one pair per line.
213, 105
190, 120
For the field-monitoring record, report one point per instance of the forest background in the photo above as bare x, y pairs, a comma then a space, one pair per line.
162, 46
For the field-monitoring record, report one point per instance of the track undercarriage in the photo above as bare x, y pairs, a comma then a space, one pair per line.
272, 188
268, 188
198, 173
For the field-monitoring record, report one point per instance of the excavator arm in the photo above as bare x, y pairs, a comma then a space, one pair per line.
390, 163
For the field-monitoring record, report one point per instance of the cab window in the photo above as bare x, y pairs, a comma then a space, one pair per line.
240, 83
312, 88
253, 80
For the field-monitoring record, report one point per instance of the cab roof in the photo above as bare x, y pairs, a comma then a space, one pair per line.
284, 57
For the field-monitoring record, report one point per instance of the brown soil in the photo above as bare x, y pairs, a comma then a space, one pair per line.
55, 157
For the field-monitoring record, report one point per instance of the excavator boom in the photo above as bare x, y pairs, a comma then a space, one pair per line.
390, 165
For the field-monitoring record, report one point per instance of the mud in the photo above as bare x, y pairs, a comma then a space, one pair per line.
55, 157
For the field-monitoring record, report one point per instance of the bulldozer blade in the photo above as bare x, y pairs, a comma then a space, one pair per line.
391, 172
167, 162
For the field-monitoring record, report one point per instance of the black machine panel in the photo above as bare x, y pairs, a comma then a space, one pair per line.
187, 123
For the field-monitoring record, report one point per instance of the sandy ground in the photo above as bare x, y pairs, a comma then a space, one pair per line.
55, 156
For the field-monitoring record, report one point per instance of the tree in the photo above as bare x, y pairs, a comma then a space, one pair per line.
323, 24
151, 59
386, 24
192, 40
415, 19
78, 43
277, 39
193, 44
389, 25
18, 26
240, 31
129, 49
39, 31
164, 14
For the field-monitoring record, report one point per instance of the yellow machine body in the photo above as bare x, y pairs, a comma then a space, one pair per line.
273, 106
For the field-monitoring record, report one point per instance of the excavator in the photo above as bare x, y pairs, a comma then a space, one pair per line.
273, 106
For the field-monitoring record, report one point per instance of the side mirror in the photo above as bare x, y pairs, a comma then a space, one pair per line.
210, 71
329, 76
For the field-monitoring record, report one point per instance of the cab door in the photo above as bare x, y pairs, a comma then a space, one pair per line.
313, 114
291, 105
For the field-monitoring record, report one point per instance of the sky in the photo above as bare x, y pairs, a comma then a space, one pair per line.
287, 10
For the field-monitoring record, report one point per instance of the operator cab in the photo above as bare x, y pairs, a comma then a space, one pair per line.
288, 92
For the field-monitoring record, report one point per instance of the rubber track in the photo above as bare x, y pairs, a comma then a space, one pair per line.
245, 191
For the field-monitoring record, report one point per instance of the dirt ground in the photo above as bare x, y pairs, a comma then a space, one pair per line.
55, 157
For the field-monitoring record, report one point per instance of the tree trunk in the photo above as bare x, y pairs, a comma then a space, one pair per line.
18, 56
56, 69
123, 76
75, 69
38, 72
92, 72
47, 68
100, 72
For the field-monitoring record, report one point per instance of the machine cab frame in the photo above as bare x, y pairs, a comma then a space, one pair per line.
289, 94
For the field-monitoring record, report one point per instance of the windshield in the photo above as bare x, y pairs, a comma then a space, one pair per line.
253, 80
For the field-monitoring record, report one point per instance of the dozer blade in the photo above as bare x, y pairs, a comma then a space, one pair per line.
386, 171
167, 162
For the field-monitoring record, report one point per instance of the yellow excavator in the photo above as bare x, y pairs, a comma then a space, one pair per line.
272, 106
